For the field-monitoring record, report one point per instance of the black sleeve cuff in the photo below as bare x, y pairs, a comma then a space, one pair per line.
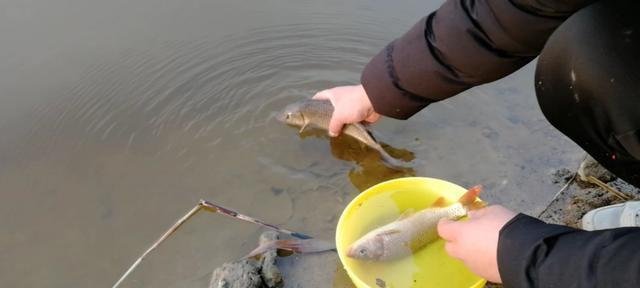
520, 247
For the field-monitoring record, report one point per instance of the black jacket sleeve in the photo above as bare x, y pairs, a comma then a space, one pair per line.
532, 253
462, 44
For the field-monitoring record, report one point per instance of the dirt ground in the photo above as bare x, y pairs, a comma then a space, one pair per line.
570, 205
578, 198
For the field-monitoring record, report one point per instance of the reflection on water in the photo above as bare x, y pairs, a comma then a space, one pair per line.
370, 169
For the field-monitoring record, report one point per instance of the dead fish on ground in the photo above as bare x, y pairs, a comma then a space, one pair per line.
317, 113
293, 246
411, 232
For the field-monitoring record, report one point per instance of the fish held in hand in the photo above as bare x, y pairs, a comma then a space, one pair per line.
317, 113
411, 232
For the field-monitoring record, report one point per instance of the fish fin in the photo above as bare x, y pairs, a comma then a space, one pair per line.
366, 129
284, 252
303, 126
256, 253
476, 205
389, 160
384, 155
406, 214
440, 202
470, 196
390, 232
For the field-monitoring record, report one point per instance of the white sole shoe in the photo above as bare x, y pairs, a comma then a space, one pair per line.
613, 216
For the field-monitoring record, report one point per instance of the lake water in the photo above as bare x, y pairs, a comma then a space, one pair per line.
116, 117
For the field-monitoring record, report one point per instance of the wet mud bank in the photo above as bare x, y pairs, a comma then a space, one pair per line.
575, 199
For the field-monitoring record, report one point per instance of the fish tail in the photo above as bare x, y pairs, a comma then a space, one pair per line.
388, 159
476, 205
262, 248
470, 198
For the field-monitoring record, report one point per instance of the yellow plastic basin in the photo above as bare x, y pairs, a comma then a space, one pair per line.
384, 203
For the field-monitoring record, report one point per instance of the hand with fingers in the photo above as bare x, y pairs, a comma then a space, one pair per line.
351, 105
475, 241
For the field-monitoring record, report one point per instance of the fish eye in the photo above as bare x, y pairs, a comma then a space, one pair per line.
288, 116
362, 252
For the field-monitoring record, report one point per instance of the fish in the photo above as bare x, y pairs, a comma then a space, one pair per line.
412, 231
293, 246
317, 113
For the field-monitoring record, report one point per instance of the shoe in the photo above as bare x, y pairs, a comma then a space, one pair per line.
613, 216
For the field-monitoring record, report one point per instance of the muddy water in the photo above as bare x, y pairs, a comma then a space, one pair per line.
117, 116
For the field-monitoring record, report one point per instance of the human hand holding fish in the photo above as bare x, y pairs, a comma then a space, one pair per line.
321, 113
475, 241
351, 105
412, 231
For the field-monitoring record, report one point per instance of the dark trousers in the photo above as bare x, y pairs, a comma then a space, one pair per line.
588, 84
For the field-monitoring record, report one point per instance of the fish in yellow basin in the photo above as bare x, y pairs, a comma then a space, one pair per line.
411, 232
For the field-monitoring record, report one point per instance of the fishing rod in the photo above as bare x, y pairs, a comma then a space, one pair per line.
228, 212
206, 205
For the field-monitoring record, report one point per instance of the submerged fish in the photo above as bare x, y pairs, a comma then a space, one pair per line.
411, 232
317, 113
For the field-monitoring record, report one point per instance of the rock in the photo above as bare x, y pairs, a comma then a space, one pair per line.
250, 273
270, 273
591, 167
239, 274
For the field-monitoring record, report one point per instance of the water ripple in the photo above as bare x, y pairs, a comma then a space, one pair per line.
202, 86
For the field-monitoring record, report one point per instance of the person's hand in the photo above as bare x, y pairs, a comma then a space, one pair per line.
475, 241
351, 105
